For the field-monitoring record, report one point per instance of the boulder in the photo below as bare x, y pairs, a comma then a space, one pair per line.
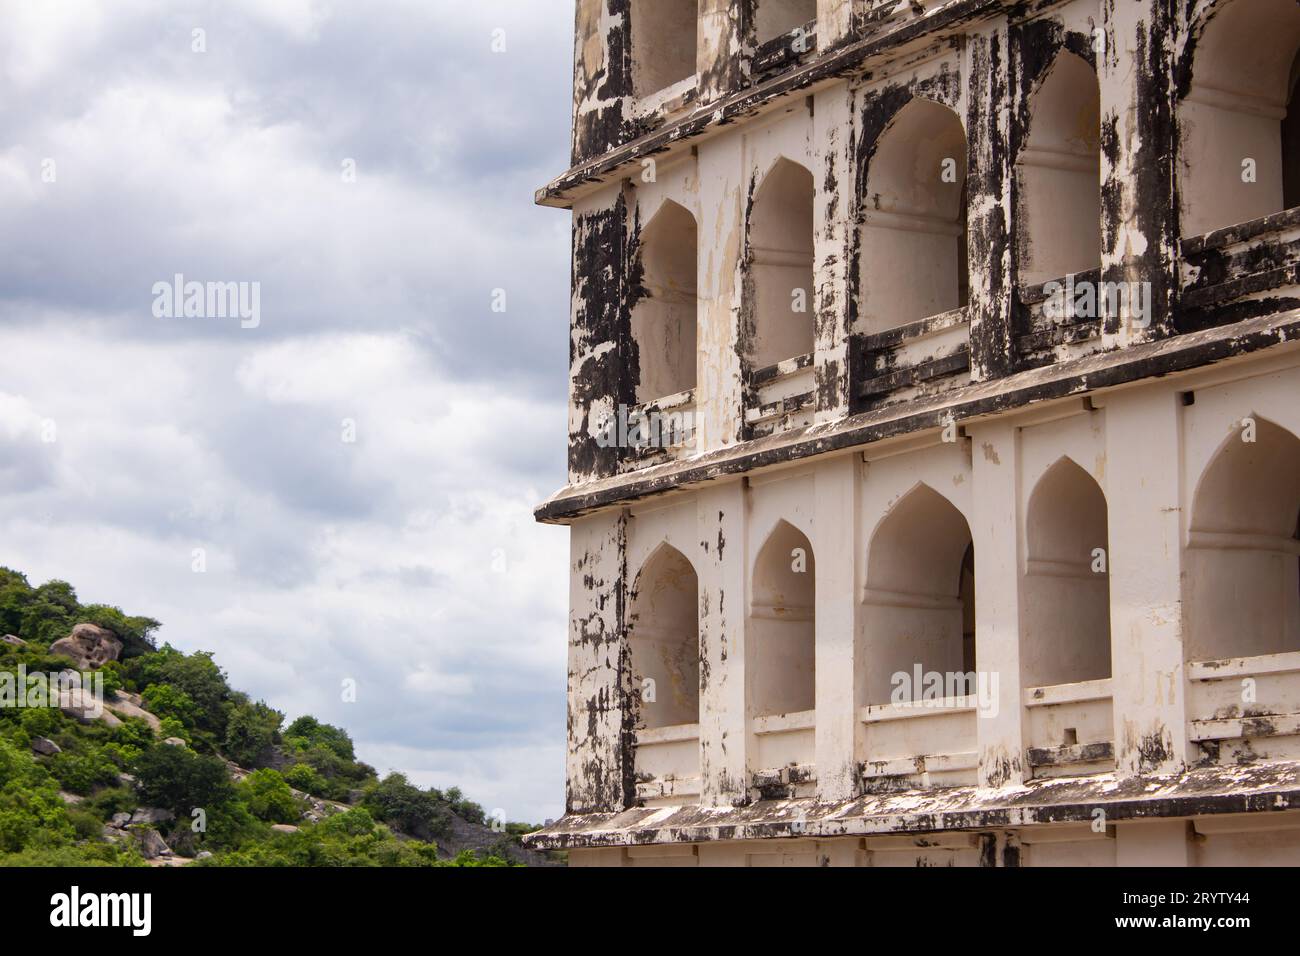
152, 815
71, 799
13, 639
128, 705
203, 855
120, 820
43, 745
284, 828
80, 704
151, 842
174, 742
89, 646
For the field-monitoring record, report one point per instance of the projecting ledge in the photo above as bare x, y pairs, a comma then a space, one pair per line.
1194, 793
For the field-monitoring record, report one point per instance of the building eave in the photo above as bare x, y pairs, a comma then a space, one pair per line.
1194, 793
710, 118
1086, 375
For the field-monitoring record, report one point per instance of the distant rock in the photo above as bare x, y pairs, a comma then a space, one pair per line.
129, 705
71, 799
13, 639
151, 842
284, 828
80, 704
152, 815
120, 820
43, 745
203, 855
89, 646
174, 742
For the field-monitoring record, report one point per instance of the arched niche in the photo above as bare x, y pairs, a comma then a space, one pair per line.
919, 605
664, 42
1066, 587
913, 232
776, 17
1241, 585
781, 641
781, 265
1238, 120
664, 313
1058, 175
664, 639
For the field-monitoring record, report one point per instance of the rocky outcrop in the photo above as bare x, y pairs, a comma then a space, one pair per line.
89, 646
131, 705
150, 841
13, 639
81, 705
152, 815
43, 745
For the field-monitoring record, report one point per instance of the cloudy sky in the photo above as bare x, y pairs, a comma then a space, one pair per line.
370, 165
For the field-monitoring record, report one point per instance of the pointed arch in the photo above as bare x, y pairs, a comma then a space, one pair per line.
664, 314
919, 604
1065, 592
781, 264
913, 235
782, 638
664, 639
1242, 580
1058, 175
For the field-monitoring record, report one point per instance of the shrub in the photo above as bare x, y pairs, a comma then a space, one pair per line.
303, 777
164, 700
81, 773
269, 797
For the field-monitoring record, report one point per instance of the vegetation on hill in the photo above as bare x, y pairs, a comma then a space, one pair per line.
220, 780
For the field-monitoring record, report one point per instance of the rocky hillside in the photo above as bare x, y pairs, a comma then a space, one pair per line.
116, 752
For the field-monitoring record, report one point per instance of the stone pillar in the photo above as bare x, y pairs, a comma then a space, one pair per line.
1143, 460
602, 77
726, 46
833, 224
989, 256
721, 519
1139, 227
599, 761
835, 21
838, 696
600, 335
719, 376
995, 529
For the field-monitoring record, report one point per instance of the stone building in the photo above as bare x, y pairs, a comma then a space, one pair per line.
934, 470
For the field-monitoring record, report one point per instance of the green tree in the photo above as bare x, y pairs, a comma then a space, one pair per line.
251, 731
397, 801
268, 797
180, 780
